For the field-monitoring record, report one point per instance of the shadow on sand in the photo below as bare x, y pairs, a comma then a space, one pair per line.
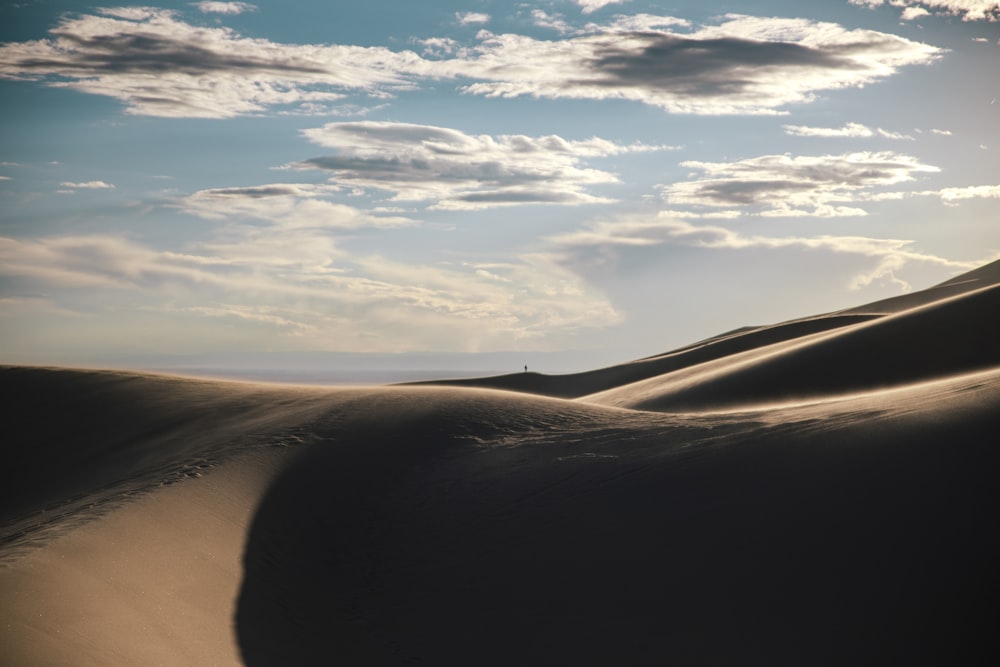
869, 541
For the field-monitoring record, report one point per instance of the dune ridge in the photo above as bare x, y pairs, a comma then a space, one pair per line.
816, 492
587, 383
920, 343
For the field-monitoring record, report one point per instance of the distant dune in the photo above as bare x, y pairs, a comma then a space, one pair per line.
816, 492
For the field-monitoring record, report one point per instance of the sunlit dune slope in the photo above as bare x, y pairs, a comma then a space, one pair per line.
954, 335
742, 340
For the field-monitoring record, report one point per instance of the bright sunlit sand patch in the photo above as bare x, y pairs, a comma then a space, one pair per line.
152, 583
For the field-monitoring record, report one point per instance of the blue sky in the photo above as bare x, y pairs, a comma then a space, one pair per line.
580, 181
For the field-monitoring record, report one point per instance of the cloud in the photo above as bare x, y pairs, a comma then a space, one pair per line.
258, 314
209, 7
850, 130
158, 65
589, 6
291, 205
913, 13
949, 196
87, 185
298, 283
889, 255
942, 133
955, 194
276, 262
86, 262
4, 178
783, 185
472, 18
459, 171
969, 10
555, 22
743, 65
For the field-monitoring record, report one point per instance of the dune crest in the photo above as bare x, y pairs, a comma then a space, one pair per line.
753, 341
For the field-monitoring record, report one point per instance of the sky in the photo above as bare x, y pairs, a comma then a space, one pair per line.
572, 183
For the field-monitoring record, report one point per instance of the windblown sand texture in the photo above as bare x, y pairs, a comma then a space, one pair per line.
817, 492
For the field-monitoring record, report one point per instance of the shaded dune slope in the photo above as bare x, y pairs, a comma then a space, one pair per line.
821, 535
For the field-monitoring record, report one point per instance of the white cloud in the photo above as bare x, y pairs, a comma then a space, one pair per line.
851, 130
969, 10
589, 6
459, 171
969, 192
472, 18
743, 65
439, 47
913, 13
158, 65
555, 22
209, 7
290, 204
943, 133
4, 178
784, 186
889, 255
88, 185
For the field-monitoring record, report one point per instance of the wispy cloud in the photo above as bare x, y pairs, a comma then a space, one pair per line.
889, 255
159, 65
209, 7
785, 185
589, 6
472, 18
969, 10
952, 195
288, 204
849, 130
456, 171
556, 22
87, 262
87, 185
743, 65
298, 283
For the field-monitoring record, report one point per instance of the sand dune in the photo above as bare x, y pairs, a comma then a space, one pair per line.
953, 335
818, 492
574, 385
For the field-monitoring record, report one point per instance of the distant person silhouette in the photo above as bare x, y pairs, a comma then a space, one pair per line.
525, 368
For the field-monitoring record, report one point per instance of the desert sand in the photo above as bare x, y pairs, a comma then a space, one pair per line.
816, 492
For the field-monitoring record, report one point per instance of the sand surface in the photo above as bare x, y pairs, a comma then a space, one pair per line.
816, 492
